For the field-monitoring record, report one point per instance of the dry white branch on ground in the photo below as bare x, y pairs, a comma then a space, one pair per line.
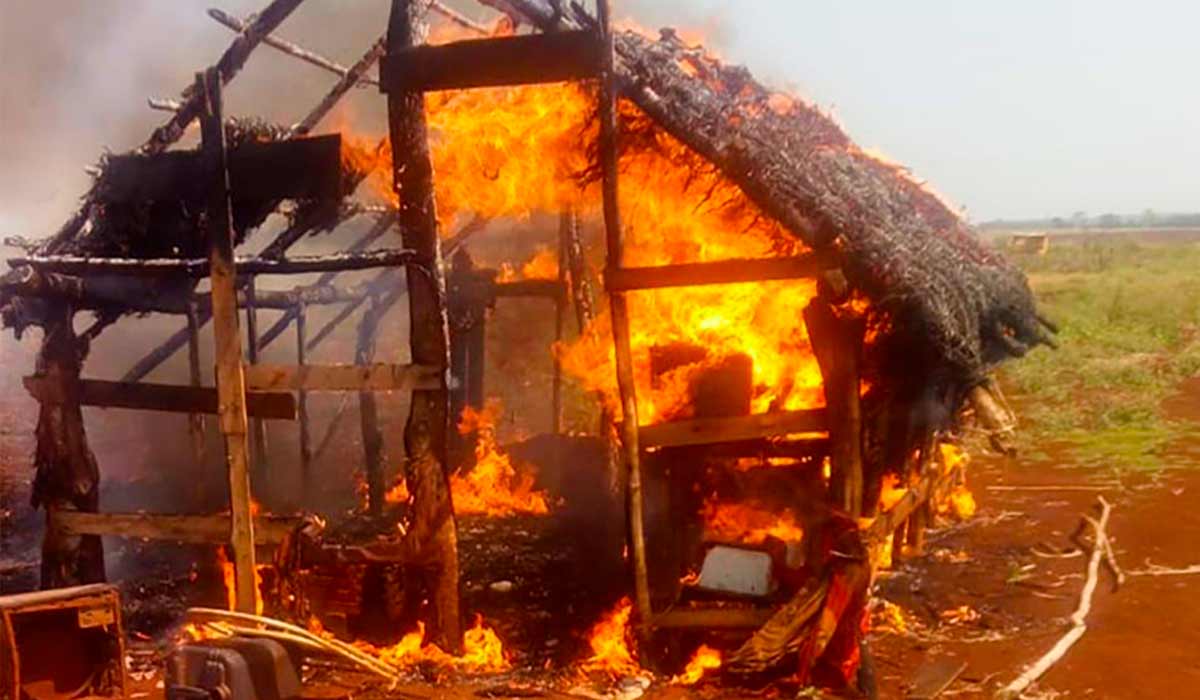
1078, 619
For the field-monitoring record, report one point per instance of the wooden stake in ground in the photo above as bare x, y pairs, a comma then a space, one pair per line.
433, 536
1078, 619
231, 380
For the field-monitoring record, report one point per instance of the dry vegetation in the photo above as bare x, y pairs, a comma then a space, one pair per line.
1129, 311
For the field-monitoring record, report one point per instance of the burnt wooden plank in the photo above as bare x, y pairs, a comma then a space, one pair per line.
170, 398
707, 431
718, 272
373, 377
546, 289
475, 63
200, 529
303, 168
202, 267
712, 618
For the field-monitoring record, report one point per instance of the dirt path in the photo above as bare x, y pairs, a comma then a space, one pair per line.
1141, 642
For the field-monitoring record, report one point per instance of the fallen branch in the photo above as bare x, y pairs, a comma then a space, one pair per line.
1159, 570
1078, 619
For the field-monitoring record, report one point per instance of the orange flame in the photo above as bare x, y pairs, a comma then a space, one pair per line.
229, 580
609, 640
704, 660
748, 524
510, 152
483, 652
493, 487
542, 266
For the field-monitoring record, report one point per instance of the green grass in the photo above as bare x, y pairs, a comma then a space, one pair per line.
1129, 315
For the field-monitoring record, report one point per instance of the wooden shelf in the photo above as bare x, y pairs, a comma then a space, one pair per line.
709, 431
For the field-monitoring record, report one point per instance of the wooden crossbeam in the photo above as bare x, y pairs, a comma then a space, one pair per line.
713, 618
199, 529
159, 397
201, 267
475, 63
720, 272
376, 377
303, 168
707, 431
546, 289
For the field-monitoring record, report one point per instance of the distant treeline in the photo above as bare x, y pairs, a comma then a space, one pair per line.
1082, 220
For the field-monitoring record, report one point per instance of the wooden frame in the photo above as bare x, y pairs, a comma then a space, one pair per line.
196, 529
371, 377
719, 272
708, 431
171, 398
475, 63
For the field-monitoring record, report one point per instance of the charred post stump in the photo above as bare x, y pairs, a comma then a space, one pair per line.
433, 537
68, 477
231, 377
837, 344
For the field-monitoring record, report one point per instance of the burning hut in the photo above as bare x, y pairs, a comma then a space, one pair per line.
791, 322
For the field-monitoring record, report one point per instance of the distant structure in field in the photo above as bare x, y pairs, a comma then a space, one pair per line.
1037, 243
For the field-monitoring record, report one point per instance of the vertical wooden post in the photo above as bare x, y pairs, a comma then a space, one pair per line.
68, 477
837, 344
258, 427
433, 533
620, 318
305, 428
560, 321
368, 410
581, 288
195, 420
922, 516
231, 378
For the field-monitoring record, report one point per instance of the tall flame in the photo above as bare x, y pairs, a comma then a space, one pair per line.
229, 578
609, 640
493, 486
510, 152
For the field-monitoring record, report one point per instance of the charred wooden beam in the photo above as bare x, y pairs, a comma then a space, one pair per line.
171, 398
837, 344
475, 63
261, 459
544, 289
433, 533
306, 454
335, 94
721, 272
289, 48
581, 283
196, 427
712, 618
372, 377
707, 431
560, 321
303, 168
886, 523
299, 265
374, 460
231, 382
68, 478
199, 529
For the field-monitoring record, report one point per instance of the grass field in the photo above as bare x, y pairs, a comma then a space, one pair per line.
1129, 314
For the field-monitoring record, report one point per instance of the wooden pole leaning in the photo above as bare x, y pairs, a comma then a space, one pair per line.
230, 376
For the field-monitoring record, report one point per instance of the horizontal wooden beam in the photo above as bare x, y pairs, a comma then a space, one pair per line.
159, 397
377, 377
720, 272
306, 168
200, 529
713, 618
199, 267
886, 523
708, 431
475, 63
547, 289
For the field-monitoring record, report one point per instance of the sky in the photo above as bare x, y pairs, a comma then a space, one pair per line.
1012, 109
